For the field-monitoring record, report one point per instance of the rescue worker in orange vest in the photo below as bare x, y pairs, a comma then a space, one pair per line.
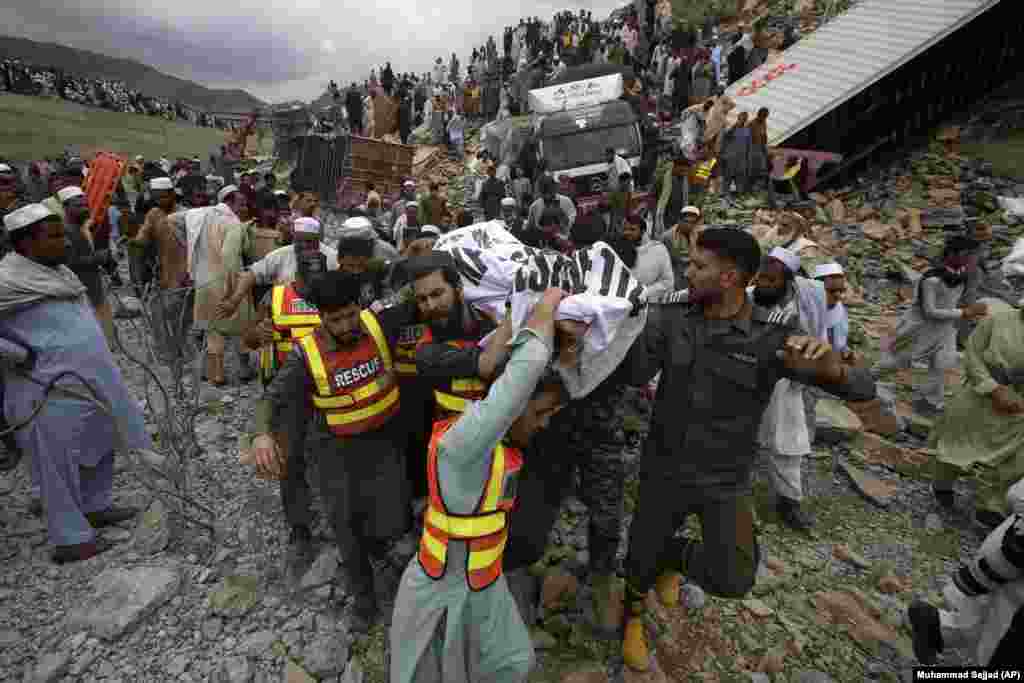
448, 358
342, 375
455, 619
285, 315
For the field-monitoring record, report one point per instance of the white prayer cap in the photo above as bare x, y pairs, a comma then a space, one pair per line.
139, 157
788, 258
69, 192
280, 193
226, 191
430, 230
409, 183
307, 225
826, 269
26, 216
4, 168
161, 184
691, 209
357, 223
508, 201
414, 205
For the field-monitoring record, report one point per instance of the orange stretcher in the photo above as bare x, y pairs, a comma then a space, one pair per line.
105, 171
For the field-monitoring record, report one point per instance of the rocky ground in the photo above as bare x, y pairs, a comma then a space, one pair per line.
206, 601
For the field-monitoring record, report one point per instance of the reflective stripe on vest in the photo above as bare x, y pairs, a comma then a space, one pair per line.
373, 401
289, 324
405, 349
454, 397
705, 168
462, 391
485, 531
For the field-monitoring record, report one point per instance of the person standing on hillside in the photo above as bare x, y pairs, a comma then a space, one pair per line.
84, 259
387, 79
927, 330
70, 442
171, 313
354, 109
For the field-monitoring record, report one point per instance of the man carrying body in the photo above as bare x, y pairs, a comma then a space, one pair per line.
342, 375
455, 619
70, 441
784, 434
720, 357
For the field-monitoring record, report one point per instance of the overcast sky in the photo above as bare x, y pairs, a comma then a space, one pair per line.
277, 49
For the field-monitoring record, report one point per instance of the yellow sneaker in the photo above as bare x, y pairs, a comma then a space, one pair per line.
667, 588
634, 644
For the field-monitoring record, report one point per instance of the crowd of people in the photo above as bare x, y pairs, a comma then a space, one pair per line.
22, 78
424, 411
676, 68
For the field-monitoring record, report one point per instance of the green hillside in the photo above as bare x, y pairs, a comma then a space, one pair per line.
36, 127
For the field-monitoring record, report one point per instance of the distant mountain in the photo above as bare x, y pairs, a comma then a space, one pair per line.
135, 75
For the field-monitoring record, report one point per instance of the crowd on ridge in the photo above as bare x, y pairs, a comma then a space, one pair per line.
22, 78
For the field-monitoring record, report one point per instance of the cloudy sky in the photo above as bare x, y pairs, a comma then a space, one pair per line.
277, 49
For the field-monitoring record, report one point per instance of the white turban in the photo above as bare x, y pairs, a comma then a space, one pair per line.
69, 193
826, 269
788, 258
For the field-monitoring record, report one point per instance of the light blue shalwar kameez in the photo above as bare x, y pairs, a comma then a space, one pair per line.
441, 631
70, 442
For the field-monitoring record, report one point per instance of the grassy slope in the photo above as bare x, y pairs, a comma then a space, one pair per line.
34, 127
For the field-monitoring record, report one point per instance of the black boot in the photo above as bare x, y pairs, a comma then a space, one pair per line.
944, 497
927, 635
791, 514
300, 553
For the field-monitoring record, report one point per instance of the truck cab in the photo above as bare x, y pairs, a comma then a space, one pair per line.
573, 144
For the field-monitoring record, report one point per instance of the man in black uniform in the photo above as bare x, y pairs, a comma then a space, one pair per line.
719, 358
342, 376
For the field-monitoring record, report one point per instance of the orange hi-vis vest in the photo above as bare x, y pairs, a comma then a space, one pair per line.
293, 318
485, 531
405, 349
355, 389
453, 396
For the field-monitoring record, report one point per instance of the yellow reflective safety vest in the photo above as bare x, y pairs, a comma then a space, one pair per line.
485, 531
293, 318
354, 388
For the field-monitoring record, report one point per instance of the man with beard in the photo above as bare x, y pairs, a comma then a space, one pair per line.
284, 316
455, 619
280, 266
784, 435
408, 222
342, 376
837, 323
720, 357
927, 330
69, 441
648, 260
510, 216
